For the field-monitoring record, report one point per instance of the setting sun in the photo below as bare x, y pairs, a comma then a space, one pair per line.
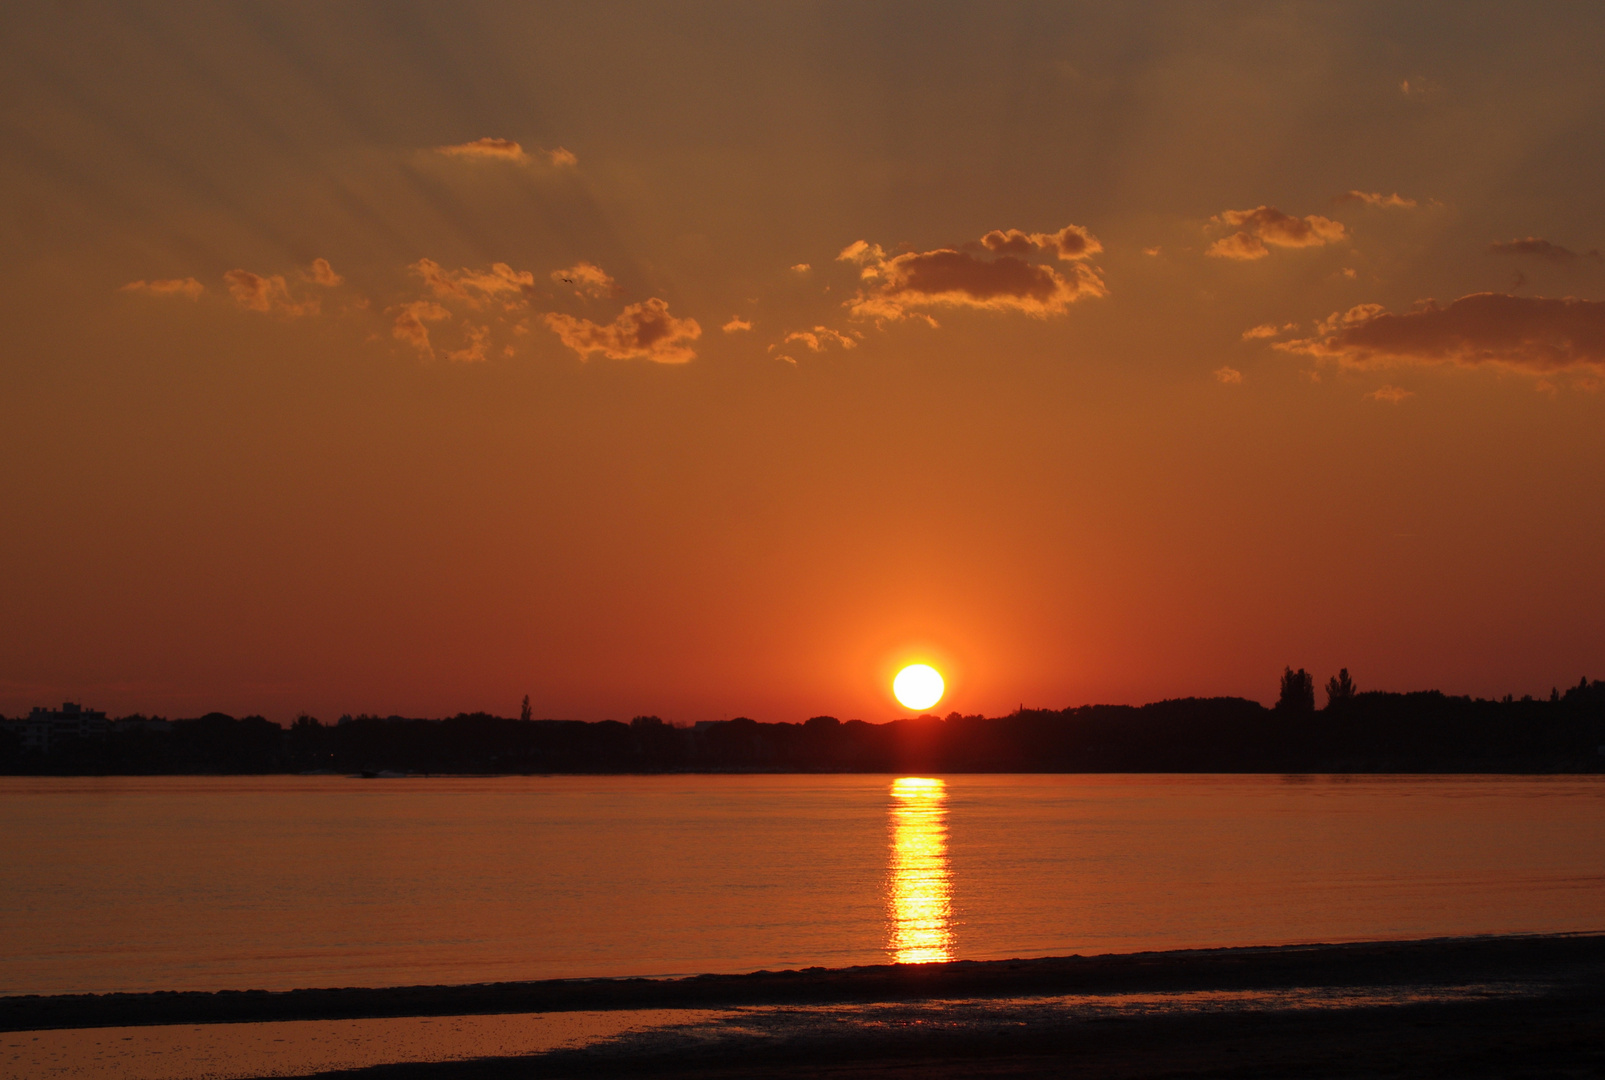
918, 686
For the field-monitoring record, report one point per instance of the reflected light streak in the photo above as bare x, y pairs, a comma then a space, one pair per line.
919, 888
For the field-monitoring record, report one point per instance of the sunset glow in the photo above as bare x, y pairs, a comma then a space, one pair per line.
918, 686
367, 363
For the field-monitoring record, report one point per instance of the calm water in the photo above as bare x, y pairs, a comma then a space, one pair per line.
279, 882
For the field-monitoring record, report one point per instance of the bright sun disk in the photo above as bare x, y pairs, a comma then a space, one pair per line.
918, 686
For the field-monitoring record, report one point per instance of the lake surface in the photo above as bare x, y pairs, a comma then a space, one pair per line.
283, 882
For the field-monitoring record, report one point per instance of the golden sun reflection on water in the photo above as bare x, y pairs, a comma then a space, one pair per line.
919, 889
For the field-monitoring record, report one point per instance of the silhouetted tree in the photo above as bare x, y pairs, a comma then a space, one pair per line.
1298, 692
1339, 689
524, 713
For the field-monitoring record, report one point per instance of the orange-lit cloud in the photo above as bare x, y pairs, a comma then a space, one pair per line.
819, 338
507, 150
185, 287
1266, 330
1528, 333
1377, 199
587, 279
411, 323
645, 331
1391, 394
1542, 249
801, 268
323, 274
1228, 375
475, 286
1267, 225
946, 277
736, 325
1069, 243
474, 351
487, 149
256, 292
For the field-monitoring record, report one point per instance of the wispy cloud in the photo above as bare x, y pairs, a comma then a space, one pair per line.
507, 150
642, 331
819, 338
411, 323
587, 279
188, 288
1267, 330
1266, 225
1228, 375
474, 351
1527, 333
266, 293
1390, 394
1542, 249
500, 282
487, 149
1377, 199
323, 274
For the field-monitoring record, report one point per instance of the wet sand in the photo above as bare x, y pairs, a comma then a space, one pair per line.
1467, 1007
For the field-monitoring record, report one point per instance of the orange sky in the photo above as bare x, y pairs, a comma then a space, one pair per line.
712, 360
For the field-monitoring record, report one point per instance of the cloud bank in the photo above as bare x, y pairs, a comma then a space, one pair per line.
1527, 333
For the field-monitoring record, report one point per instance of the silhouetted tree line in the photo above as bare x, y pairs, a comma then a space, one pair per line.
1356, 732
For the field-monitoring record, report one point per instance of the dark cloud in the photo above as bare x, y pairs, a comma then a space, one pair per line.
1528, 333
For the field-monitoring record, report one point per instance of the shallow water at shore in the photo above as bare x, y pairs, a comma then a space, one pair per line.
304, 1047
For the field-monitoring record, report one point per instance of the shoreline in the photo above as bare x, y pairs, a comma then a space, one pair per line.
1539, 961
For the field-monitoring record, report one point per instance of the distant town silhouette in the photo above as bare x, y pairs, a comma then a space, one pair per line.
1425, 731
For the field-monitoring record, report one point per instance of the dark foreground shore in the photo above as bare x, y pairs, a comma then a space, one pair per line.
1507, 1006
